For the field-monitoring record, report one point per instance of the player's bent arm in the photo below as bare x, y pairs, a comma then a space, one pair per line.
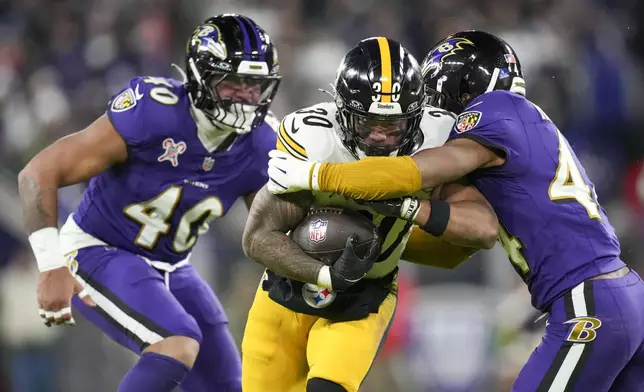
72, 159
265, 240
425, 249
472, 222
69, 160
390, 177
458, 213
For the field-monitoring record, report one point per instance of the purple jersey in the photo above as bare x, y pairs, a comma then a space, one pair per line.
158, 202
553, 229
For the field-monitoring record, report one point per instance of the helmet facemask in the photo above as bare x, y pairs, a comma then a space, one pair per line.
370, 134
233, 102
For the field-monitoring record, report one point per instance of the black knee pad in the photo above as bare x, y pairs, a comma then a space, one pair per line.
322, 385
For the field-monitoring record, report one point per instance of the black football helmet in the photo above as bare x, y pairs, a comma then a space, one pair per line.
380, 98
232, 72
467, 64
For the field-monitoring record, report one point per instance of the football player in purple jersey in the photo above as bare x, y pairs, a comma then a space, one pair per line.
555, 232
165, 159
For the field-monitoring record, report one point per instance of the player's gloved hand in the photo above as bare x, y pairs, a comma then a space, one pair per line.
288, 174
349, 268
406, 208
55, 290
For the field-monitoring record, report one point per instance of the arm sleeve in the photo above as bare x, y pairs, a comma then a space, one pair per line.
423, 248
371, 178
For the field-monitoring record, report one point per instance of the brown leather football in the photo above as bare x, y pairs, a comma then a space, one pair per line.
323, 233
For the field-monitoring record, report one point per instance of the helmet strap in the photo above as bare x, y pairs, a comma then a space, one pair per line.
201, 95
493, 79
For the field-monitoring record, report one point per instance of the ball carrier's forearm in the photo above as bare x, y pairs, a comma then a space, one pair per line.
265, 241
280, 254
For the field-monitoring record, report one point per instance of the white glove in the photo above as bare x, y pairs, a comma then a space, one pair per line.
288, 174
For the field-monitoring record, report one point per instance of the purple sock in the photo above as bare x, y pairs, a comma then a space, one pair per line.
154, 373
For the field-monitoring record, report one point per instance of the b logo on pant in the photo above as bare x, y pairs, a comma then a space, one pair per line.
584, 330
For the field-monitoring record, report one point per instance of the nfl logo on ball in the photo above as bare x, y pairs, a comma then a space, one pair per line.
317, 230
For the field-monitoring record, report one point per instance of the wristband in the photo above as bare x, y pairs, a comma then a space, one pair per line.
438, 218
324, 278
46, 247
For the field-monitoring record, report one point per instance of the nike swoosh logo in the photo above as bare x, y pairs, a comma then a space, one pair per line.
293, 129
137, 94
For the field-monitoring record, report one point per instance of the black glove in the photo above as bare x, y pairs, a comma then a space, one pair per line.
404, 208
350, 268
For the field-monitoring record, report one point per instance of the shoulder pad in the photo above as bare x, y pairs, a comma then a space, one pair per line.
436, 125
307, 134
489, 103
148, 106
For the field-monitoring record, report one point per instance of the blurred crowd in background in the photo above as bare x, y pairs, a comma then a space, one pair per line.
465, 330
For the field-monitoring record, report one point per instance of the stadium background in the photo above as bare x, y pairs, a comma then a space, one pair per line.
464, 330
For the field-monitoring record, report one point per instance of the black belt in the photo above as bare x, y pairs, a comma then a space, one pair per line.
355, 303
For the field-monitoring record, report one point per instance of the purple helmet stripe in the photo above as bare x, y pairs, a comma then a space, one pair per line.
247, 48
253, 27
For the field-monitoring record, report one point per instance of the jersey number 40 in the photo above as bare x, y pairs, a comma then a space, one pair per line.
154, 215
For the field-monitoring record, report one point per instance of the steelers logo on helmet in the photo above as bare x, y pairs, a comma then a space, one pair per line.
317, 297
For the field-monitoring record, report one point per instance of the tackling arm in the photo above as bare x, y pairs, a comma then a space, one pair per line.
472, 221
265, 239
469, 224
390, 177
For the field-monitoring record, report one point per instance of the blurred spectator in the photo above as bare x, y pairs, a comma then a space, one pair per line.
30, 347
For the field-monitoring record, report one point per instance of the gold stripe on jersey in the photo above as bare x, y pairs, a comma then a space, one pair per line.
385, 69
289, 145
371, 178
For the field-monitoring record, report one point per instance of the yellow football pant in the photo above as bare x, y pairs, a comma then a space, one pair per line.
283, 349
